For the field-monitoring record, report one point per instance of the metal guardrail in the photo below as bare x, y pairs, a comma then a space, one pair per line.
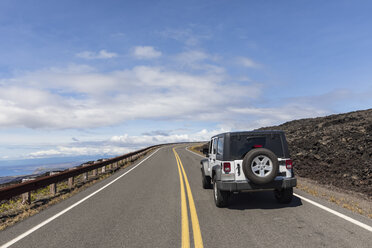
28, 186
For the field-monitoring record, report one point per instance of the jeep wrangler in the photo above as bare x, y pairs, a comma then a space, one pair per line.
248, 161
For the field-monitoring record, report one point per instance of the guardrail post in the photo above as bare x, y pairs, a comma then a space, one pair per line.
95, 171
53, 186
26, 197
103, 169
71, 180
85, 174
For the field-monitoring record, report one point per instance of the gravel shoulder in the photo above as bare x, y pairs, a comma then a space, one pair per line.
353, 201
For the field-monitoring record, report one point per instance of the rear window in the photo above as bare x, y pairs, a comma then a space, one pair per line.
241, 144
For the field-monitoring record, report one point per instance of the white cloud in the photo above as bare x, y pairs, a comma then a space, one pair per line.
80, 151
118, 145
192, 56
102, 54
146, 52
80, 97
263, 117
198, 60
247, 62
147, 140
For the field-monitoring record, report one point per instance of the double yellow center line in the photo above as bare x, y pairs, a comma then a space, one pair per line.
198, 242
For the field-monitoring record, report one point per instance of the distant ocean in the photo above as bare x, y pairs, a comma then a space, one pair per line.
14, 169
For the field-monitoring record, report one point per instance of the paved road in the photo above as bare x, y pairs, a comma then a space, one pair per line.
143, 208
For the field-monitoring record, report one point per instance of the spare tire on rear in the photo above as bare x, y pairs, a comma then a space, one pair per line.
260, 165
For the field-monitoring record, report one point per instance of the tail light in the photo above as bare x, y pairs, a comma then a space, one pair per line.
257, 146
288, 164
226, 167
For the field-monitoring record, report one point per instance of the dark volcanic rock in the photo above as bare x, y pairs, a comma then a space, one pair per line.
333, 150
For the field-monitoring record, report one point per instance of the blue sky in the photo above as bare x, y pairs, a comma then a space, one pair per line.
106, 77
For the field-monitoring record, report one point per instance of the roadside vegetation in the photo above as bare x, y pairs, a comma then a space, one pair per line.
199, 148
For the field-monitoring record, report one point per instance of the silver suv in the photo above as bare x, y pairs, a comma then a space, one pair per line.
248, 161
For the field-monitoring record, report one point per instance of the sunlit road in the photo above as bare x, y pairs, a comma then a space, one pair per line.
160, 203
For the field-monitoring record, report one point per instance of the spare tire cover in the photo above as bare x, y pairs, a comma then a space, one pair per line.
260, 165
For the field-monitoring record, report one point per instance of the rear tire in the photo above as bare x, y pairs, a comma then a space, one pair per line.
206, 181
284, 196
221, 198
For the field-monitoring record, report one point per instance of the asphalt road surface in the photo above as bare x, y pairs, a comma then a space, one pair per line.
159, 202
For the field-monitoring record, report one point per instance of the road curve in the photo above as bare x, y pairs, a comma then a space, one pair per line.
143, 207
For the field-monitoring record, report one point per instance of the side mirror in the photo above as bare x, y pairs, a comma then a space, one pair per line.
206, 151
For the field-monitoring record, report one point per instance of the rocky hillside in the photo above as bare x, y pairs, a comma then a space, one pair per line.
333, 150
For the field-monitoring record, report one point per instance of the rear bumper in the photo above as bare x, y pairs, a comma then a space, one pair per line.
239, 186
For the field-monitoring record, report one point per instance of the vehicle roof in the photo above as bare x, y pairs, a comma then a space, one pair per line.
251, 132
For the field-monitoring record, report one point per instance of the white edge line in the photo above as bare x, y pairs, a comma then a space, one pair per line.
347, 218
358, 223
25, 234
187, 148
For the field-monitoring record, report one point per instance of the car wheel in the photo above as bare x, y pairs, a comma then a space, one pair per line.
284, 195
221, 198
206, 181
